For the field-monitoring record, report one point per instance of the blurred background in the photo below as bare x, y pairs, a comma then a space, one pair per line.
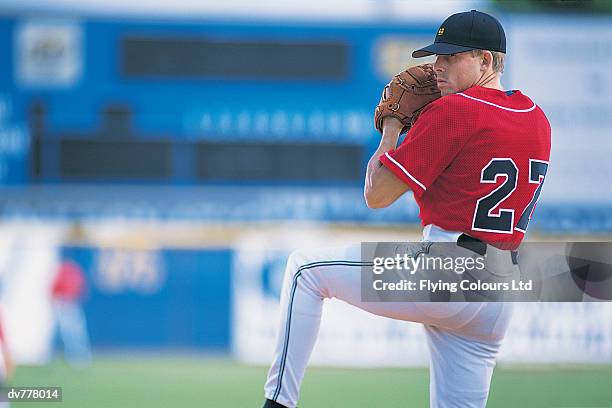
159, 161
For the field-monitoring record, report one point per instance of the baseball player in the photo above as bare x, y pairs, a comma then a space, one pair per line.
475, 159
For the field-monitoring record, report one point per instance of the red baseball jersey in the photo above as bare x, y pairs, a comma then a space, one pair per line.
69, 283
476, 162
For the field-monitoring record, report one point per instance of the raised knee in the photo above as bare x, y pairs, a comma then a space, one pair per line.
303, 262
297, 260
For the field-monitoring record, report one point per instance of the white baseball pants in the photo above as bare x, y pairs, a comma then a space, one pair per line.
463, 338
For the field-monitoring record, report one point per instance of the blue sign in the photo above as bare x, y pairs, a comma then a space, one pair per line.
178, 299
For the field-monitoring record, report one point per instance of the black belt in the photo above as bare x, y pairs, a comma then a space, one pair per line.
480, 247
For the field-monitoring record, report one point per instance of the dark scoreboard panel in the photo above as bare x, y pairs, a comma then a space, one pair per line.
197, 57
154, 160
278, 162
114, 159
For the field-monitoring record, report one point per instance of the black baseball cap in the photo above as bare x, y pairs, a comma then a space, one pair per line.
466, 31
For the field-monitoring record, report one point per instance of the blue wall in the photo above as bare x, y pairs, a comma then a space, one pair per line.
191, 309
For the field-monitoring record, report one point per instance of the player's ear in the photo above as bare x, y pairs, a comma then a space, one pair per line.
487, 60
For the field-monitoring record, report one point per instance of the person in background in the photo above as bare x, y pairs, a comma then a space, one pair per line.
67, 292
6, 363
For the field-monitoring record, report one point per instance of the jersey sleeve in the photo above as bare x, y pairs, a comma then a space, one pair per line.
430, 146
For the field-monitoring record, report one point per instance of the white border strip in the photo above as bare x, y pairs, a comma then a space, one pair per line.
498, 106
406, 172
281, 10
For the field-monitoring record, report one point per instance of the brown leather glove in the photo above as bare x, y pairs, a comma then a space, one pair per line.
406, 95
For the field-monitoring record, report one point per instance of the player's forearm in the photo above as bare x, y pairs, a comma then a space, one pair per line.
381, 188
392, 128
388, 142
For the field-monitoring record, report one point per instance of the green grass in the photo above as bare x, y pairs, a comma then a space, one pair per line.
202, 382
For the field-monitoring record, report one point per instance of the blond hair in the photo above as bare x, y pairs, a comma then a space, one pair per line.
498, 59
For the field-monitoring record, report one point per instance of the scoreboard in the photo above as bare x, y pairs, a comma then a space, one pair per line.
193, 102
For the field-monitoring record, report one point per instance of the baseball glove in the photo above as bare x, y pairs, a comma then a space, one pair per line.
406, 95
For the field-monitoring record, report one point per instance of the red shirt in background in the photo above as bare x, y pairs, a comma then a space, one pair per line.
69, 282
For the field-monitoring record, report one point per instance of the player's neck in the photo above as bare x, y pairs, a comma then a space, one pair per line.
497, 86
491, 80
